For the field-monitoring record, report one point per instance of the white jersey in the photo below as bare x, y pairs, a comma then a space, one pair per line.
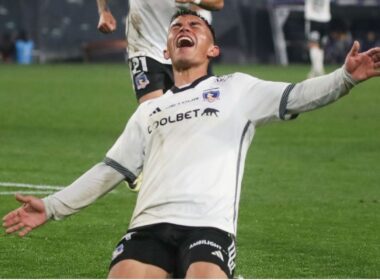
317, 10
147, 27
193, 143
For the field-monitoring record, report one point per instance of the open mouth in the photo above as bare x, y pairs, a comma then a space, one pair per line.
185, 42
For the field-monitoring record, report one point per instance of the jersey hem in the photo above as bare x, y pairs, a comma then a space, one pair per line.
135, 226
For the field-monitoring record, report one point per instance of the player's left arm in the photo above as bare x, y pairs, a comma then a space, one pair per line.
212, 5
317, 92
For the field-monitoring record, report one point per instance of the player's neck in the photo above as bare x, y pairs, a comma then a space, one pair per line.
186, 77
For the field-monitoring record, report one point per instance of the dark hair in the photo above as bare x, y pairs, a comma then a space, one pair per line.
184, 11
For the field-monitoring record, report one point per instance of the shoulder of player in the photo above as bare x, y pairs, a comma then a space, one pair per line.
236, 78
148, 106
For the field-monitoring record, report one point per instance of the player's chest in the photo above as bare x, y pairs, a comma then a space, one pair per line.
189, 110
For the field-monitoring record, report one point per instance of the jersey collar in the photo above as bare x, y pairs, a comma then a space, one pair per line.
175, 90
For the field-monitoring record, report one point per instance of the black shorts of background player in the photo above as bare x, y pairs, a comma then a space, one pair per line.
316, 34
149, 75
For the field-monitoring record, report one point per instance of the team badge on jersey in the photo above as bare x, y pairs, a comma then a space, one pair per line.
211, 95
141, 81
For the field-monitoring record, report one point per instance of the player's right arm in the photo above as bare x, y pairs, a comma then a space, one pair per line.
27, 217
123, 162
107, 23
34, 212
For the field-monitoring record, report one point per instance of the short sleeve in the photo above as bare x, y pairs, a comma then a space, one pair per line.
127, 154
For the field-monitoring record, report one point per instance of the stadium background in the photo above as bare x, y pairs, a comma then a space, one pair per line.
61, 29
310, 198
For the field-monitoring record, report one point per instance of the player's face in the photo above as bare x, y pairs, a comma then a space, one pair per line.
190, 42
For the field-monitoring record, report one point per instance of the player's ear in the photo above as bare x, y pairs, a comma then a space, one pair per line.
213, 51
166, 54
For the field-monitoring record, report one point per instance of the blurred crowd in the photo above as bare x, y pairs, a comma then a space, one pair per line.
341, 38
16, 48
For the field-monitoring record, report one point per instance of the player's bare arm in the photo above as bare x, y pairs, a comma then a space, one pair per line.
107, 23
212, 5
362, 66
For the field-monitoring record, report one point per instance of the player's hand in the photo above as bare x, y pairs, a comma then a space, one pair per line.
24, 219
107, 23
363, 66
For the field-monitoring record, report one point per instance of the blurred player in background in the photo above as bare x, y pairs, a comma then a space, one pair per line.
317, 16
7, 48
185, 219
146, 30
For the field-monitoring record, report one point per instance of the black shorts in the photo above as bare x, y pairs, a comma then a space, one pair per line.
317, 31
149, 75
174, 248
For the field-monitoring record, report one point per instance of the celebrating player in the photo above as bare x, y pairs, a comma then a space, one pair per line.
185, 219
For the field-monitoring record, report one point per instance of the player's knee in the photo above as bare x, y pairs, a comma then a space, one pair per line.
205, 270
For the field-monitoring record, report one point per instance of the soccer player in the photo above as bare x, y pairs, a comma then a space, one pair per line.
317, 16
198, 133
146, 29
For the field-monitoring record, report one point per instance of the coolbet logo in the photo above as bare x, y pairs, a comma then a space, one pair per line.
211, 95
182, 116
210, 112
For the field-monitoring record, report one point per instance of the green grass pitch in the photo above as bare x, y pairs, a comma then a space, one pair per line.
310, 204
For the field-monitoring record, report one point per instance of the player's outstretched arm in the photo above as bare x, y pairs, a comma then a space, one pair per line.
320, 91
107, 23
27, 217
362, 66
212, 5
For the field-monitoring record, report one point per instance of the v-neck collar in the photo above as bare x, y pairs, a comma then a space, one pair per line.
175, 89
